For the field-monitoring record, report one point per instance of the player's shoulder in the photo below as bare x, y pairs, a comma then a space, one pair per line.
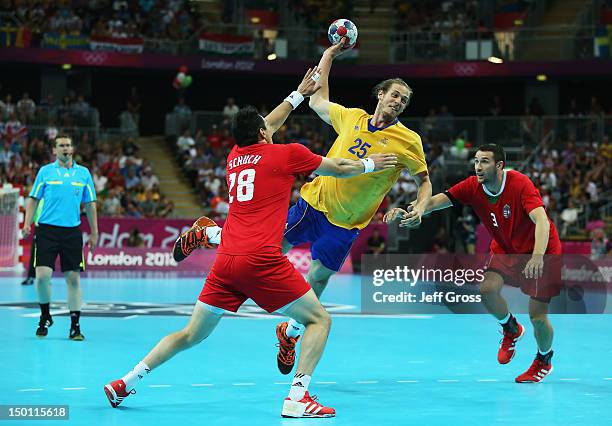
408, 133
516, 178
349, 111
472, 180
357, 114
469, 183
280, 152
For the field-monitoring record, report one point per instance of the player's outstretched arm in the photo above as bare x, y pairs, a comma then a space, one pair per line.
344, 168
437, 202
307, 87
319, 102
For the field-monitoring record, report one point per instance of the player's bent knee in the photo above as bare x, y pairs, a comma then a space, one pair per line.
538, 319
489, 288
192, 337
322, 317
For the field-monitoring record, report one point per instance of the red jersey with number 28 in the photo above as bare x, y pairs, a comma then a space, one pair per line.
506, 215
260, 179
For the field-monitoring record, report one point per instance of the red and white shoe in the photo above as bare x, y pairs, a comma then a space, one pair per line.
116, 393
507, 347
306, 407
285, 358
536, 373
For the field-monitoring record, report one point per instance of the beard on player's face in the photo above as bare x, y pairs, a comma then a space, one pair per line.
486, 173
485, 168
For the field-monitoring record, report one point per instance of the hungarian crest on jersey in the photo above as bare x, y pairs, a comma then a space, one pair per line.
507, 211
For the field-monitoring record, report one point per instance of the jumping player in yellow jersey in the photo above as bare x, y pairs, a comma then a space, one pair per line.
331, 212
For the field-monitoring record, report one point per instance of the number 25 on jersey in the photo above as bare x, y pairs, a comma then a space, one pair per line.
246, 185
360, 149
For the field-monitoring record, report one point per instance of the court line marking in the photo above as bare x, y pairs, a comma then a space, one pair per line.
565, 379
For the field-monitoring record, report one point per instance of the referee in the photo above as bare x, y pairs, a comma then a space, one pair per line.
62, 186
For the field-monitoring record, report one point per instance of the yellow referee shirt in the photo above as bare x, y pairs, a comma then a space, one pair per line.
351, 203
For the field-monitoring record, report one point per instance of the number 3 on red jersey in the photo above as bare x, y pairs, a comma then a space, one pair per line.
492, 217
246, 185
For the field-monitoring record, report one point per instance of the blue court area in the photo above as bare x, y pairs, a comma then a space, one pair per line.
411, 370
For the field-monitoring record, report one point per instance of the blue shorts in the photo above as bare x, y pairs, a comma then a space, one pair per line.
329, 243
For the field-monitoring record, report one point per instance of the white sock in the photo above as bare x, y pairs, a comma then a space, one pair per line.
505, 319
544, 352
299, 386
214, 234
135, 375
294, 328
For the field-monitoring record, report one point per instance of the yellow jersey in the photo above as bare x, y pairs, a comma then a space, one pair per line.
352, 202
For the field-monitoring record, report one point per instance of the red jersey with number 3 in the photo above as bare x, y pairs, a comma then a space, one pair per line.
260, 180
506, 214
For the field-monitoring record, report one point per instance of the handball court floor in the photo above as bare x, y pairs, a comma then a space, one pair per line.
394, 370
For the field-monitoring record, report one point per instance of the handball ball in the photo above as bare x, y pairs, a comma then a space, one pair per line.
342, 28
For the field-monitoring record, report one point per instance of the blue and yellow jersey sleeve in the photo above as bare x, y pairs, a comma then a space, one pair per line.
351, 203
38, 188
89, 192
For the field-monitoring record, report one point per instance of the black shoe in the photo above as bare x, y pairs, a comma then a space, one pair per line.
28, 281
43, 326
75, 333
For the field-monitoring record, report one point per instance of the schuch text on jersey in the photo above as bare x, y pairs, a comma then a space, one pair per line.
243, 159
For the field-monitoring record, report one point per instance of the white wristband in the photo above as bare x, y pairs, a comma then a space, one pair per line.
368, 164
295, 99
214, 234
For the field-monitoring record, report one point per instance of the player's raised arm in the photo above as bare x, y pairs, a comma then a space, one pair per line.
307, 87
319, 102
344, 168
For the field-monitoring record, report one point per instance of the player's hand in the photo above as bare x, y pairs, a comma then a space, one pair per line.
310, 82
337, 49
383, 161
93, 240
414, 217
25, 231
534, 267
393, 214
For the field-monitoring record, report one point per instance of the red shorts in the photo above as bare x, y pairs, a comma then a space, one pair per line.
270, 280
511, 266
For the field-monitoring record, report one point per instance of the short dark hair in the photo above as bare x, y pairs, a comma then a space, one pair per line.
61, 136
386, 85
246, 126
497, 150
